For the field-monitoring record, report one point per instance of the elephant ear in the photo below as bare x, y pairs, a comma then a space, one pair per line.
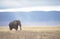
19, 22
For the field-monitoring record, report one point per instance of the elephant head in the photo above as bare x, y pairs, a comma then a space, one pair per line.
19, 23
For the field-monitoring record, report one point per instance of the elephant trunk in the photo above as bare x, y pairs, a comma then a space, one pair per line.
19, 23
20, 26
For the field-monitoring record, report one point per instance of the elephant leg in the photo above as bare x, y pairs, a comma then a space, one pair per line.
16, 28
10, 28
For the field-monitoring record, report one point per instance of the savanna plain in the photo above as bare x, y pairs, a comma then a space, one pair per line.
31, 33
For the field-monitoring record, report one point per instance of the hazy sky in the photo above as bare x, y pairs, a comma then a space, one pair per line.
27, 3
35, 18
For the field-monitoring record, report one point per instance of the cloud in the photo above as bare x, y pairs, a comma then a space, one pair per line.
10, 4
29, 9
27, 3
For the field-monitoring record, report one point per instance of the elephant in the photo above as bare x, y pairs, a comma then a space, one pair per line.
14, 25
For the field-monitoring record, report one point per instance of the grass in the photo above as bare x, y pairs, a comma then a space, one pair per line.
30, 33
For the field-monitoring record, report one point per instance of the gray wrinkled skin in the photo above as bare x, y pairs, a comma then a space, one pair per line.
14, 25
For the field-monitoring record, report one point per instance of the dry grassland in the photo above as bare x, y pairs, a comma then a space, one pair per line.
30, 33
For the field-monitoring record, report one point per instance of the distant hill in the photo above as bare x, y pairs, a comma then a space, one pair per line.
47, 17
